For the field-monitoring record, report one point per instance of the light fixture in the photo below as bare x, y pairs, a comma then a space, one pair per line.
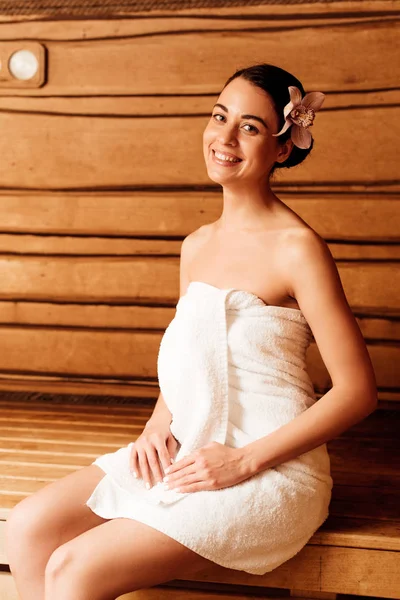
22, 64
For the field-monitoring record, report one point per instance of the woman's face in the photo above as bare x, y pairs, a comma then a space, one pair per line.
240, 129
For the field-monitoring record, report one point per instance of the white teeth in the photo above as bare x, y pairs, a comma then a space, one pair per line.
227, 158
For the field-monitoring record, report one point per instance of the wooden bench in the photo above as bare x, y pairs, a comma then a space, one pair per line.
356, 551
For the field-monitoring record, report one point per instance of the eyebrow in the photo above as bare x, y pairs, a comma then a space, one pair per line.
245, 116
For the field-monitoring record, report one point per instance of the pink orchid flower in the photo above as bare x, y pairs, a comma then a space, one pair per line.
300, 113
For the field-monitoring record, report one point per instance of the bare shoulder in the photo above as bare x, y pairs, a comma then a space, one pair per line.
302, 245
189, 249
196, 238
305, 258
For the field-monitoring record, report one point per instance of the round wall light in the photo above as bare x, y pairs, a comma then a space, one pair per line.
23, 64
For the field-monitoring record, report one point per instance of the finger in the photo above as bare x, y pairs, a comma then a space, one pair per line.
180, 464
154, 464
164, 455
182, 476
172, 445
133, 462
144, 467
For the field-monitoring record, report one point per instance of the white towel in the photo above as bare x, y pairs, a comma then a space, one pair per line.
231, 369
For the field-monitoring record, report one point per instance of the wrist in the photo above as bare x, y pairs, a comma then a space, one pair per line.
159, 424
247, 460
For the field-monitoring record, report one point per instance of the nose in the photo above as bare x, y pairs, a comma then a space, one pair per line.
227, 135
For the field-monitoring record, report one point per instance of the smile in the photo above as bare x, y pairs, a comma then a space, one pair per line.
224, 159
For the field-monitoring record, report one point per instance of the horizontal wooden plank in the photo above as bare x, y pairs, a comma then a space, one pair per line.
342, 570
155, 281
195, 104
88, 67
175, 593
378, 424
104, 246
339, 217
132, 416
245, 16
100, 151
131, 390
358, 532
31, 13
92, 316
132, 355
354, 501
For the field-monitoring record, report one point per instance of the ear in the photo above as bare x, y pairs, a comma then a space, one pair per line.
284, 151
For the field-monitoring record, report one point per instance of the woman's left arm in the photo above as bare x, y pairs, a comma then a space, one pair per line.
315, 283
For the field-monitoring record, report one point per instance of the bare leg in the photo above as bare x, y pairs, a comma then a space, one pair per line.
43, 521
118, 557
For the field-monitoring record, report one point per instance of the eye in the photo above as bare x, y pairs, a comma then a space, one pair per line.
217, 115
251, 126
251, 130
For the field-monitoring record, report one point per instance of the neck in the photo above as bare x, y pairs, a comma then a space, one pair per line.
245, 209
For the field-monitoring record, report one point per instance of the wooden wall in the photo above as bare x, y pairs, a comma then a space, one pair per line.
102, 176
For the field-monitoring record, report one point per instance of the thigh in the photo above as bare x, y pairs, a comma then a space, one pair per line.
121, 556
57, 512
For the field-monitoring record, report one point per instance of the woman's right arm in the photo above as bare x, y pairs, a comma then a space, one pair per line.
156, 445
161, 416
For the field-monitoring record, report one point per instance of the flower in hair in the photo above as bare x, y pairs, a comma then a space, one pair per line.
299, 114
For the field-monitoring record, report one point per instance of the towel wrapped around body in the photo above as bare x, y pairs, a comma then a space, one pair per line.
231, 369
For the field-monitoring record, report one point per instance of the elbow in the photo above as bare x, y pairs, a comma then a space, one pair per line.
371, 400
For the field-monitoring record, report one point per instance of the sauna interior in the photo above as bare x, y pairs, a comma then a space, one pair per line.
102, 176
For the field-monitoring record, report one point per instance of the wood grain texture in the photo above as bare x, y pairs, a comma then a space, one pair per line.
340, 570
107, 153
152, 281
89, 66
272, 15
374, 326
368, 7
161, 215
132, 356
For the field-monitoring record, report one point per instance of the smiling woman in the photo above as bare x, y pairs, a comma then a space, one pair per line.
272, 89
232, 467
245, 422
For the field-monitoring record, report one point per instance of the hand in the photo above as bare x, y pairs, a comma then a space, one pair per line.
155, 445
211, 467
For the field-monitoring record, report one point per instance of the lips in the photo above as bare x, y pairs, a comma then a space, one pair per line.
228, 154
225, 163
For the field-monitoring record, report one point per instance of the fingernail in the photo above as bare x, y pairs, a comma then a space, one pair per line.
172, 460
148, 486
165, 478
167, 470
134, 474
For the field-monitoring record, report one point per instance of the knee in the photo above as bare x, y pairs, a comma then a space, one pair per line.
61, 560
66, 574
22, 526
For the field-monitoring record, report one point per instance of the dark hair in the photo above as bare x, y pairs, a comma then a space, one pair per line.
275, 81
